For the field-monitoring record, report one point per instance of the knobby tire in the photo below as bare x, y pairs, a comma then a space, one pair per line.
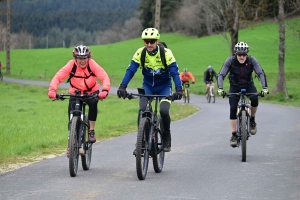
244, 135
86, 158
142, 149
159, 155
73, 143
188, 95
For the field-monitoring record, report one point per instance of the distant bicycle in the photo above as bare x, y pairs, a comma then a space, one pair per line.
243, 119
210, 96
186, 92
1, 75
78, 143
149, 137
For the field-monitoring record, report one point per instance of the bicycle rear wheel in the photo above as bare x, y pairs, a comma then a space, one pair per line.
159, 156
142, 149
244, 135
73, 146
87, 147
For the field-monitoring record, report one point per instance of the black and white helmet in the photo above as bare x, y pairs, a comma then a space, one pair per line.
241, 47
81, 52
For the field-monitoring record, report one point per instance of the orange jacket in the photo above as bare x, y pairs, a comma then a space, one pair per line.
186, 76
65, 71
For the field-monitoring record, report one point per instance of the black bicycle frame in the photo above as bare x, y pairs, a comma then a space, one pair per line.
243, 105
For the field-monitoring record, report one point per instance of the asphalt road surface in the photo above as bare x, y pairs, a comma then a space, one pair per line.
201, 164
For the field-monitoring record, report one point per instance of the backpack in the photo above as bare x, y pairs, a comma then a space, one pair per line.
72, 74
162, 56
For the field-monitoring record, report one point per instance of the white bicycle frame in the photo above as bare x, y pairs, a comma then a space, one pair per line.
211, 88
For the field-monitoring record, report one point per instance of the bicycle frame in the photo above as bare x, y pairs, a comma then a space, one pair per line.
243, 105
186, 86
151, 115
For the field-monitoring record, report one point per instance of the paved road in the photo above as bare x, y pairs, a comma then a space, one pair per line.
201, 165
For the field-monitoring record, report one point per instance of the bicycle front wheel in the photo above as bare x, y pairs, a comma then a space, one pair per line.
73, 146
184, 95
244, 135
87, 147
159, 155
188, 96
142, 149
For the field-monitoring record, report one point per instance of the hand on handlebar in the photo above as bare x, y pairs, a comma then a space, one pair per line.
221, 92
103, 94
52, 94
264, 92
178, 94
122, 93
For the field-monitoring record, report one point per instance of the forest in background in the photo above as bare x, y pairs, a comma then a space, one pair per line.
65, 23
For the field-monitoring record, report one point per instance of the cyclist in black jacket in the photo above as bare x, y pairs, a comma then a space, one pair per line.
240, 67
209, 75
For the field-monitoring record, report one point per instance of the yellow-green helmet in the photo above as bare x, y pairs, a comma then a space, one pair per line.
150, 34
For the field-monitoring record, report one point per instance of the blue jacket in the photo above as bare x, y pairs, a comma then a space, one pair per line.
155, 74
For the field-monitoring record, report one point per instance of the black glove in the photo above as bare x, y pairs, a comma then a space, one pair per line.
122, 92
193, 82
178, 94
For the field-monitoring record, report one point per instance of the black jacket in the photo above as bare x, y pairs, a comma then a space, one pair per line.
241, 74
209, 76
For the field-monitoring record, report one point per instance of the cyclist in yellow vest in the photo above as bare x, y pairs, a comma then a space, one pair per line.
157, 78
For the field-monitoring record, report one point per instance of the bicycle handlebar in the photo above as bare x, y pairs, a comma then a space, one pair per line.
131, 96
85, 96
240, 93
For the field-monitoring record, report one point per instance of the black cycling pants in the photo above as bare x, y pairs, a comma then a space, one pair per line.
93, 107
164, 112
234, 100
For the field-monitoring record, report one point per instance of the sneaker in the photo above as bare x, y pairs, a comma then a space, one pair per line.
253, 128
167, 141
233, 141
92, 136
68, 152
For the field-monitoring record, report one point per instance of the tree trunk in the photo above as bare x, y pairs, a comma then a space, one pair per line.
281, 85
232, 22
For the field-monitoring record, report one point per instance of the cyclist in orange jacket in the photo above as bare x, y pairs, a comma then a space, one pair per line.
83, 79
185, 76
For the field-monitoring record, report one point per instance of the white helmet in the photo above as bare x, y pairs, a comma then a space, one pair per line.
151, 34
241, 47
81, 52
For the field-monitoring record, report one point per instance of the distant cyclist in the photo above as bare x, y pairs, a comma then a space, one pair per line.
240, 67
185, 76
209, 75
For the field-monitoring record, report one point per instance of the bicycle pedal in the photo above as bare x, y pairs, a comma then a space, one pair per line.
81, 151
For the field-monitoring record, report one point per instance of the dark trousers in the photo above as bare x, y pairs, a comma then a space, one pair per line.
234, 100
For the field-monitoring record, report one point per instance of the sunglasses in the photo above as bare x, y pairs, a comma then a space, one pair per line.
240, 55
81, 58
150, 41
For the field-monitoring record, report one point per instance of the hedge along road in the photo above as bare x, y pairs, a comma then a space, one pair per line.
201, 164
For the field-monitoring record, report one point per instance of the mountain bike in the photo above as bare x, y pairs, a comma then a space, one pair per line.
149, 136
186, 92
210, 96
78, 143
243, 119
